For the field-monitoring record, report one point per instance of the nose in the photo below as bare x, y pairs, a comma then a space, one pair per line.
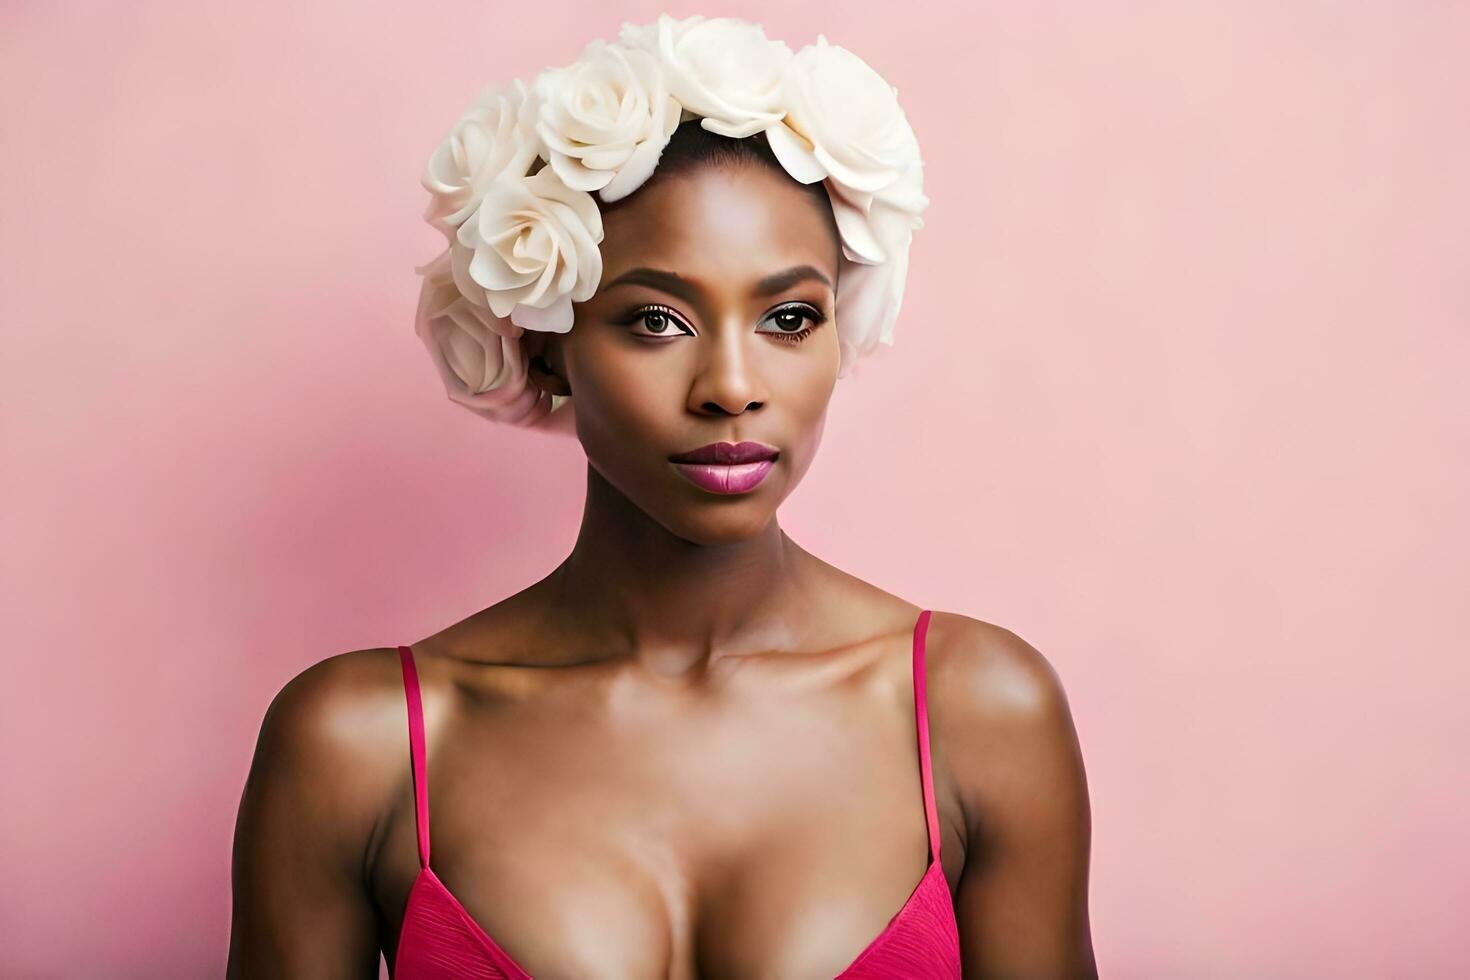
728, 379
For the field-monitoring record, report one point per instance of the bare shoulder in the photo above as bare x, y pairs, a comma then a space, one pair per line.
339, 704
331, 738
1002, 716
989, 673
323, 773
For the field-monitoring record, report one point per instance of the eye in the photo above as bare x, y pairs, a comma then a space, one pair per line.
789, 320
660, 321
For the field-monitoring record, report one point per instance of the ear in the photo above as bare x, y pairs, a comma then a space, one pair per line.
542, 349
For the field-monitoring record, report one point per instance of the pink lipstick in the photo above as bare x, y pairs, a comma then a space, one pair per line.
725, 467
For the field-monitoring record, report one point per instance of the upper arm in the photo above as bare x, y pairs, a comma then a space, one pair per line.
300, 902
1014, 757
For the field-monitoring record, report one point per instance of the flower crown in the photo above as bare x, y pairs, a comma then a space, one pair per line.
512, 187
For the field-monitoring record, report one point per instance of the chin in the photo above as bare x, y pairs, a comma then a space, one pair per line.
720, 520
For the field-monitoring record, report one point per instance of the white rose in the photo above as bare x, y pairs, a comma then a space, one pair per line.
495, 135
530, 250
724, 70
479, 357
868, 301
844, 125
606, 118
869, 295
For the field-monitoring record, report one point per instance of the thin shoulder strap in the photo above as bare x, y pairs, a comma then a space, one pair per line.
416, 752
921, 713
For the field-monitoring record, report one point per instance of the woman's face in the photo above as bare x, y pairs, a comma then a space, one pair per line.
714, 321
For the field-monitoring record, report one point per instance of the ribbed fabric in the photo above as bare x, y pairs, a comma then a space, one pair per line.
439, 940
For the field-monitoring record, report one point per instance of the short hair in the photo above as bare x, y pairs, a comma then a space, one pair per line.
692, 147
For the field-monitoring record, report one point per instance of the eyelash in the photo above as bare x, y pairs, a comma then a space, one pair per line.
793, 337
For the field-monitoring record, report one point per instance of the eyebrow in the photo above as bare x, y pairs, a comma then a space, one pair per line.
690, 289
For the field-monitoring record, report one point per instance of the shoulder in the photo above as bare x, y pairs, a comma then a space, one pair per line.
309, 819
333, 737
336, 705
1004, 723
987, 673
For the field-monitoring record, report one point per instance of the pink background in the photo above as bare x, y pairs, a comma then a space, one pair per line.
1179, 395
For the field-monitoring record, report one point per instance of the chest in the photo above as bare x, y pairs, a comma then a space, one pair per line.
773, 840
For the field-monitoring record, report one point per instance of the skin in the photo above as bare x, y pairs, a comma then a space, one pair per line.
688, 751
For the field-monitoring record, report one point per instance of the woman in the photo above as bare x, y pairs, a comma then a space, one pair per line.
694, 748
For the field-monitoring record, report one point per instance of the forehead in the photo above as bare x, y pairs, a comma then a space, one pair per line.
720, 223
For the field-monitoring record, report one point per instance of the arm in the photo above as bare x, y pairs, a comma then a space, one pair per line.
1017, 767
301, 905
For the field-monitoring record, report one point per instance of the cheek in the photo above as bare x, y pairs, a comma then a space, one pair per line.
807, 399
623, 383
810, 419
810, 391
621, 399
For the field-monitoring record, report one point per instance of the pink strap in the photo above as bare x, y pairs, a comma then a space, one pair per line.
416, 752
921, 712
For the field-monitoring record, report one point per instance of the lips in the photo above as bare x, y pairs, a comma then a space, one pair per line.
726, 467
727, 453
732, 478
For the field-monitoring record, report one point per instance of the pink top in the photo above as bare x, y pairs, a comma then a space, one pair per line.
438, 938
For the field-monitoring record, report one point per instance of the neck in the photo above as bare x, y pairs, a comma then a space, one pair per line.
639, 590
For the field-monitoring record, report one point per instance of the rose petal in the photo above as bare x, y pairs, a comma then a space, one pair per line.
556, 318
857, 236
795, 154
